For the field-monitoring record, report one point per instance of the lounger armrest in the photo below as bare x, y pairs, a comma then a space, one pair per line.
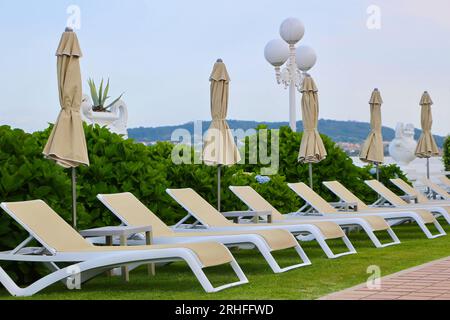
410, 198
115, 231
346, 206
236, 215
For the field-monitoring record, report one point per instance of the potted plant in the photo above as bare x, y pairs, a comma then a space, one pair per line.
94, 110
99, 97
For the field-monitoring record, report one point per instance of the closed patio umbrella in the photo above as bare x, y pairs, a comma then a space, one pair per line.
67, 143
312, 149
426, 147
219, 147
373, 150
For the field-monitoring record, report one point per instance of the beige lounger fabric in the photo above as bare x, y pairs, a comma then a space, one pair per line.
372, 150
438, 189
67, 143
50, 228
134, 213
426, 147
312, 149
201, 209
343, 193
406, 188
220, 148
445, 181
377, 223
390, 196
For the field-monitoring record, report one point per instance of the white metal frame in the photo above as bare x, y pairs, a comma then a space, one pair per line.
228, 240
90, 264
296, 229
307, 213
395, 216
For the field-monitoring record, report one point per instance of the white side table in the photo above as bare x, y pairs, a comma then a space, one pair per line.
123, 232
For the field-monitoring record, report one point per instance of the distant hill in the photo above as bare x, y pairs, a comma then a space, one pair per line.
339, 131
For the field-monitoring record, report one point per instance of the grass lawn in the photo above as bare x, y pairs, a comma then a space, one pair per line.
325, 276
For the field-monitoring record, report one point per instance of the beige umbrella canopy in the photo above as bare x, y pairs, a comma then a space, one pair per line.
426, 147
220, 148
67, 143
373, 150
312, 149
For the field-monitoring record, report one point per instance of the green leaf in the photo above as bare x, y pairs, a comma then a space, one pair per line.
114, 102
94, 96
106, 92
100, 95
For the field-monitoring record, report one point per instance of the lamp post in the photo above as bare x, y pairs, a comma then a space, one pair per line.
296, 61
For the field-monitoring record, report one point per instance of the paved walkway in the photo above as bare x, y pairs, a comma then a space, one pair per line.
427, 282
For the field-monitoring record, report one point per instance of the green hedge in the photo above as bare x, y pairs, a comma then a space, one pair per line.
337, 166
447, 154
119, 165
26, 175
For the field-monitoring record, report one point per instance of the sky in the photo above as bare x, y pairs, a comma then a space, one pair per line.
161, 53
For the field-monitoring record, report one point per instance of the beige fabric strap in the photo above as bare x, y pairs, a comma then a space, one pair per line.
439, 190
312, 198
44, 223
208, 215
427, 216
390, 196
445, 181
406, 188
377, 223
209, 253
134, 213
277, 239
346, 195
256, 202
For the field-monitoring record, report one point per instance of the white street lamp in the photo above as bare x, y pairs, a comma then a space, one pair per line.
281, 52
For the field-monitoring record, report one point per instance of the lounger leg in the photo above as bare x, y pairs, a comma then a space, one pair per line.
427, 232
263, 247
276, 267
440, 229
37, 286
206, 284
323, 244
369, 231
394, 237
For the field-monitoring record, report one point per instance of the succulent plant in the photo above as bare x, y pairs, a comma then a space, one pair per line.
100, 96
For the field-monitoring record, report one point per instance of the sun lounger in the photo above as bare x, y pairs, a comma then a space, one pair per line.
389, 198
132, 212
421, 216
211, 219
439, 207
445, 181
63, 245
436, 189
369, 224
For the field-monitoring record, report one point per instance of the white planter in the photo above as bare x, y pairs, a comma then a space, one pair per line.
402, 148
116, 120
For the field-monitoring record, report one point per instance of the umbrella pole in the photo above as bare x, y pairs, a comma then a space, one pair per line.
377, 165
74, 198
219, 174
428, 177
310, 175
